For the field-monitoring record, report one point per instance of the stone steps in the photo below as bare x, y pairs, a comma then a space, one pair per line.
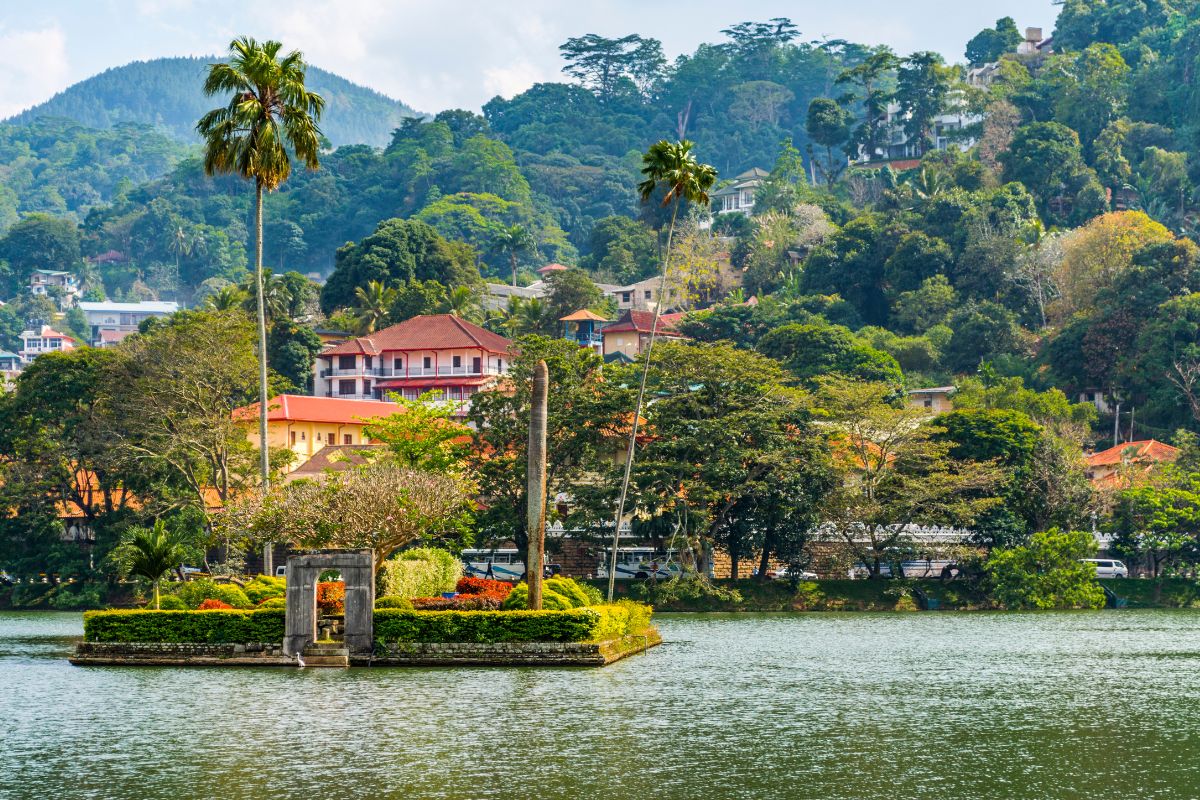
327, 654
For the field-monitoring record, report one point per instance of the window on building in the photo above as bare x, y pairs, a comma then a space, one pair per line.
347, 438
626, 297
428, 362
457, 361
345, 362
293, 438
647, 294
366, 387
397, 363
345, 387
366, 362
302, 435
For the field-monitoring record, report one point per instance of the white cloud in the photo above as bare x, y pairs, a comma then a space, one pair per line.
33, 66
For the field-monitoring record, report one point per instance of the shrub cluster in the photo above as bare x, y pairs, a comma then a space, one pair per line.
193, 593
213, 604
264, 587
391, 601
233, 626
463, 602
489, 627
331, 597
273, 602
483, 586
420, 572
558, 594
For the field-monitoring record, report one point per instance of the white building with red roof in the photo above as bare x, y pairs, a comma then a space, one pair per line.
44, 339
440, 353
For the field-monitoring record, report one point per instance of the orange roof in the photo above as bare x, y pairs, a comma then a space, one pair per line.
546, 270
430, 332
301, 408
582, 315
1147, 450
643, 321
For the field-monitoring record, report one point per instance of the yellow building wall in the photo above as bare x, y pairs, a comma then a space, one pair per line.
304, 439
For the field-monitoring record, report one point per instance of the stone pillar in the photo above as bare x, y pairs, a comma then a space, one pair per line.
300, 621
359, 575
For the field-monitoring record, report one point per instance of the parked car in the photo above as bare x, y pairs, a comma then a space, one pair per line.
1108, 567
801, 574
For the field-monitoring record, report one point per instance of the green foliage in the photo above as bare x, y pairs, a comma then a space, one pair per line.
991, 43
263, 587
419, 572
170, 602
210, 627
558, 593
1047, 573
193, 593
149, 554
393, 601
813, 350
571, 625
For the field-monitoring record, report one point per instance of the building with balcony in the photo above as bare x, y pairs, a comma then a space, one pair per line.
935, 399
43, 339
583, 328
112, 322
55, 282
307, 425
738, 196
10, 367
437, 353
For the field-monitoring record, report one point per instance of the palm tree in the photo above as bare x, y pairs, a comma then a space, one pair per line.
149, 554
270, 111
514, 240
375, 302
462, 302
673, 167
227, 298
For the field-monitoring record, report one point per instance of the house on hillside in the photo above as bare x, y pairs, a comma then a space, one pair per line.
58, 283
10, 367
629, 335
738, 195
438, 353
112, 322
935, 400
43, 339
583, 328
1120, 466
309, 425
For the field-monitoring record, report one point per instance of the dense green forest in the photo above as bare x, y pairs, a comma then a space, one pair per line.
166, 93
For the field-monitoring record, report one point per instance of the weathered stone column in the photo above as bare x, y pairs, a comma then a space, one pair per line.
300, 622
359, 575
535, 527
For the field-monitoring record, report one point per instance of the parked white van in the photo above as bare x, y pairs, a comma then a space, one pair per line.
1108, 567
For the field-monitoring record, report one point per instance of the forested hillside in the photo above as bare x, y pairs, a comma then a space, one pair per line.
166, 93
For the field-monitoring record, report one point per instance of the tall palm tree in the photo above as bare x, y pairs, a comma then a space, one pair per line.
149, 554
669, 165
227, 298
269, 112
374, 303
514, 240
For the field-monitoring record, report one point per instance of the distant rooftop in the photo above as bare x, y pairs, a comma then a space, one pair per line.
145, 307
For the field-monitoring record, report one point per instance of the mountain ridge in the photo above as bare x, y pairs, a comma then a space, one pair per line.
167, 93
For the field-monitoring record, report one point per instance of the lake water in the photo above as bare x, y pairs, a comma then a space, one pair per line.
1073, 705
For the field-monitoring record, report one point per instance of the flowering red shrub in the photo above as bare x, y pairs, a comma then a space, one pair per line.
464, 602
213, 603
331, 597
483, 586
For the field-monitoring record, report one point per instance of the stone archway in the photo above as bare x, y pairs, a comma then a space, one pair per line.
303, 569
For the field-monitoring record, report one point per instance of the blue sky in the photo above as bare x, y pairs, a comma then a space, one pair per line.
436, 54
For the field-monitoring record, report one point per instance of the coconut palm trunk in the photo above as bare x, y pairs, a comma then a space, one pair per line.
536, 485
264, 450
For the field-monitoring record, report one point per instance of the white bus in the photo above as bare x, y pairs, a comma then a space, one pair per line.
641, 563
501, 564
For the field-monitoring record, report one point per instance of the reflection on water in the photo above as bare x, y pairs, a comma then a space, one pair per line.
1102, 704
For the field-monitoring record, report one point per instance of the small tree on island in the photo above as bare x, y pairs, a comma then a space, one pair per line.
149, 554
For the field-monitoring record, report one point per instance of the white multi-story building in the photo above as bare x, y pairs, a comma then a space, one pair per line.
112, 322
738, 196
438, 353
44, 339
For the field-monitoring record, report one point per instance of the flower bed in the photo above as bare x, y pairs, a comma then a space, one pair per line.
216, 627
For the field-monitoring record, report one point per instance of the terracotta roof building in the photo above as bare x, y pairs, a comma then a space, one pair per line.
309, 425
440, 353
630, 334
1119, 465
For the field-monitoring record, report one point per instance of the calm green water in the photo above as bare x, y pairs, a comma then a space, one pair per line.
1087, 705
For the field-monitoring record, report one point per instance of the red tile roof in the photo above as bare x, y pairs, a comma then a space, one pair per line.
302, 408
643, 321
432, 332
546, 270
1147, 450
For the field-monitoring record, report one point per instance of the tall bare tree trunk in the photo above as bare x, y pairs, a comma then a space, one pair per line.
536, 491
513, 259
637, 411
264, 454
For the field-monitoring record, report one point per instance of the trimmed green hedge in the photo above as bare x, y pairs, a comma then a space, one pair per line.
490, 627
212, 627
